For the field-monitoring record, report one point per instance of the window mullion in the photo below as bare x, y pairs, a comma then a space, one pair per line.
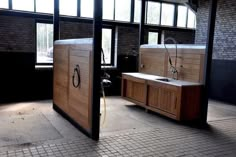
132, 11
10, 4
78, 8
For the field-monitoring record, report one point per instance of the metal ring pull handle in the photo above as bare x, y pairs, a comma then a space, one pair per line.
76, 72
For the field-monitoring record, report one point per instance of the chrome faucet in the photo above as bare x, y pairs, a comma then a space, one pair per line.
174, 71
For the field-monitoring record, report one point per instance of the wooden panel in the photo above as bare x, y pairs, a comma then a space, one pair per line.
188, 66
60, 83
189, 63
191, 100
135, 91
167, 100
163, 98
79, 98
74, 102
152, 62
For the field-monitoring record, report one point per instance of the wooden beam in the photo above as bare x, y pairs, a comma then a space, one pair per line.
208, 59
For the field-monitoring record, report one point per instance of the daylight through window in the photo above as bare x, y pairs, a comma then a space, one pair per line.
44, 43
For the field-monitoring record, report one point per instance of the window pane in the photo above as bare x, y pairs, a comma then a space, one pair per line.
137, 11
108, 9
123, 9
44, 43
106, 44
87, 8
191, 19
4, 4
25, 5
45, 6
153, 13
167, 14
182, 16
68, 7
152, 38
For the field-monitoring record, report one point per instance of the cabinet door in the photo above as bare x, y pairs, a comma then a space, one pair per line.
79, 97
136, 91
163, 97
167, 100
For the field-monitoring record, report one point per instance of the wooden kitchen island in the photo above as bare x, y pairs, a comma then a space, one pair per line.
179, 100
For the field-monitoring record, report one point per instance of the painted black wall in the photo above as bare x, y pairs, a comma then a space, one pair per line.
20, 81
223, 81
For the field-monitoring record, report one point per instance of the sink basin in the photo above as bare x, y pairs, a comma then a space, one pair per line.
164, 79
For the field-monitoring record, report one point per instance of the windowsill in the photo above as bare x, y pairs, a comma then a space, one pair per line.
51, 67
109, 67
43, 66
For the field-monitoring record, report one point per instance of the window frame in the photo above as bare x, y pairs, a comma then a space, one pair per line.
113, 33
44, 22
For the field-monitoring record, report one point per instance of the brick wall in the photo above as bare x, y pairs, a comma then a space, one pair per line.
127, 40
181, 37
71, 30
225, 30
17, 34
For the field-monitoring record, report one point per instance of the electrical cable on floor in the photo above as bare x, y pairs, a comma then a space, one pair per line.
103, 81
105, 107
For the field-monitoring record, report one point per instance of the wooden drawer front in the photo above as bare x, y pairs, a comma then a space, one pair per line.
136, 91
163, 99
79, 98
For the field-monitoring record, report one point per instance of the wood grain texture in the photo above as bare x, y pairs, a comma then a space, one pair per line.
189, 63
152, 61
178, 102
60, 76
75, 102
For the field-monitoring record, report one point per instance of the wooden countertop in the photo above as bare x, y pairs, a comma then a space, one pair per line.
154, 78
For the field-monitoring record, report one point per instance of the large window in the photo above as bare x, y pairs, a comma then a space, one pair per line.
153, 13
108, 46
25, 5
167, 14
44, 43
68, 7
4, 4
122, 10
191, 19
182, 16
108, 9
87, 8
45, 6
137, 11
153, 37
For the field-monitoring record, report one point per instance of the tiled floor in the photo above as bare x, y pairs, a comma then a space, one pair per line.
145, 134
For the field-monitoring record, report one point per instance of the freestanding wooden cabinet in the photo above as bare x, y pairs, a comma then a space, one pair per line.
73, 102
179, 100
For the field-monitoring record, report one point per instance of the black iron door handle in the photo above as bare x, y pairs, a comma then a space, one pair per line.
76, 73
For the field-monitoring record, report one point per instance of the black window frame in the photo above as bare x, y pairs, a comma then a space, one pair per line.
45, 22
112, 45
